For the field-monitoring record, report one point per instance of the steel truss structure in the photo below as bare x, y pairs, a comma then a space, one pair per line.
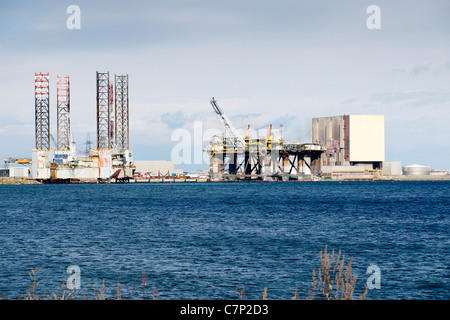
122, 132
103, 111
63, 112
42, 111
112, 129
266, 159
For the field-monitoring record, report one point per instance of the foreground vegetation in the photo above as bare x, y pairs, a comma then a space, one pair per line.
330, 282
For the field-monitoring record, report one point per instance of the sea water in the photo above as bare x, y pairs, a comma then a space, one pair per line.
206, 240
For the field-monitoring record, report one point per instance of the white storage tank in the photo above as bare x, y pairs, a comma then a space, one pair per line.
416, 170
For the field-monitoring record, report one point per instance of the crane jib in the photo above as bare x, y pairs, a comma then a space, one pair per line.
239, 142
216, 107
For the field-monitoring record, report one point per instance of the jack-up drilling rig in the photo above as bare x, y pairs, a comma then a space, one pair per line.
110, 160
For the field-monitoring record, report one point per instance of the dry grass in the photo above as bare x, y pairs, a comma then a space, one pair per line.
331, 282
295, 297
241, 291
34, 284
67, 294
264, 297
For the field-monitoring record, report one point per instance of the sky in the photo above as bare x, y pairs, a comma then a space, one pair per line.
265, 62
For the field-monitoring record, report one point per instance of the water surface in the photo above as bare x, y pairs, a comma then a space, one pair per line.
202, 240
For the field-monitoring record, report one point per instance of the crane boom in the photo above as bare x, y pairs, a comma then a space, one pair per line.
230, 130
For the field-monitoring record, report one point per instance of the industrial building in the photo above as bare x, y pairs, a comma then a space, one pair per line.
351, 140
112, 159
16, 168
15, 172
149, 169
392, 168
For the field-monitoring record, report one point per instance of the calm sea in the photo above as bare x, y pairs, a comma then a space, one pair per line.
203, 240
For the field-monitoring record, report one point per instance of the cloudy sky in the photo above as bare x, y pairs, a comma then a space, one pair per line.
280, 62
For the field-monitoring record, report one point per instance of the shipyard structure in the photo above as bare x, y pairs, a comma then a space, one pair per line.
260, 158
112, 157
345, 147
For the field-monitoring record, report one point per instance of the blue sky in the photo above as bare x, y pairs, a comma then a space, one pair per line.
280, 62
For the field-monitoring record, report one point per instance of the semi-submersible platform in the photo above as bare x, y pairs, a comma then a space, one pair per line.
237, 158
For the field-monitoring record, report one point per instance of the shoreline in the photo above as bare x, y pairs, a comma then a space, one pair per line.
17, 181
30, 181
